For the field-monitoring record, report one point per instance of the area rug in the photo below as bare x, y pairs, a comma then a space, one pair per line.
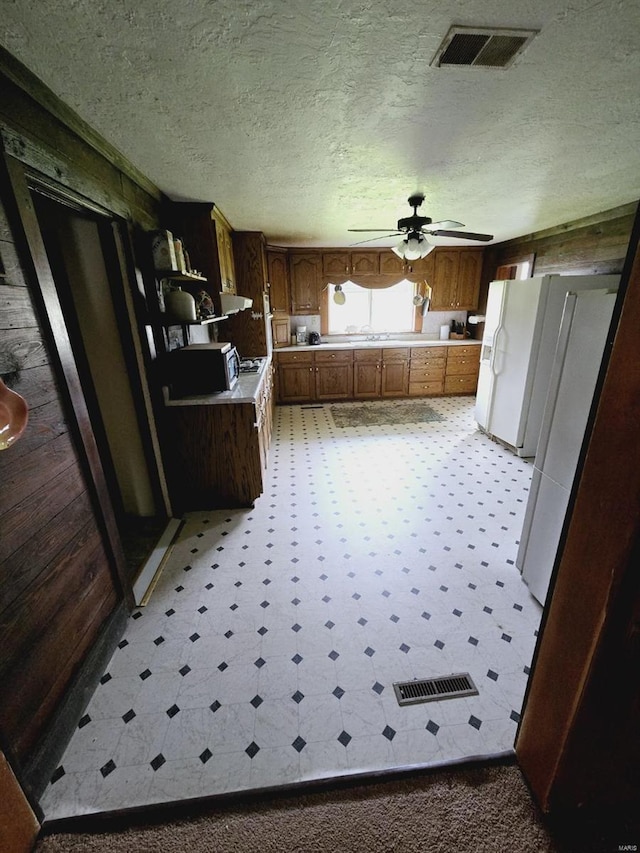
383, 413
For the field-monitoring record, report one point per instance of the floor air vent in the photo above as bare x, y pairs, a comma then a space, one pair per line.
432, 689
484, 48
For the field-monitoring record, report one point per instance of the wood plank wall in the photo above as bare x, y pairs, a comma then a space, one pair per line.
594, 245
57, 585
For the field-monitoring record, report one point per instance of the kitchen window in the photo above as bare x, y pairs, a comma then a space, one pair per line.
388, 309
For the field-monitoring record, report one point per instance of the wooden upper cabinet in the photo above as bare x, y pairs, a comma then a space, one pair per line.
390, 263
304, 276
469, 271
347, 264
278, 276
456, 279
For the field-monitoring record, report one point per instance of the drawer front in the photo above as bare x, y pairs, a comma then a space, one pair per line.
336, 356
305, 357
426, 374
428, 353
428, 364
424, 389
460, 384
395, 354
369, 355
469, 352
463, 365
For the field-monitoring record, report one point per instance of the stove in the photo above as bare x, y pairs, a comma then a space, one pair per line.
251, 365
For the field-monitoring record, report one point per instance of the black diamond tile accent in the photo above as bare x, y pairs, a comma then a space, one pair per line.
329, 624
264, 604
266, 581
107, 768
506, 638
158, 641
158, 761
259, 663
206, 755
389, 733
297, 659
222, 666
298, 697
238, 584
124, 643
369, 652
415, 591
215, 706
356, 596
492, 675
362, 621
57, 774
296, 627
475, 722
457, 612
338, 692
527, 670
257, 701
344, 738
170, 612
229, 634
299, 744
334, 655
425, 615
262, 631
487, 609
185, 670
394, 618
295, 601
194, 637
207, 586
137, 615
145, 674
432, 728
84, 721
517, 607
386, 593
473, 641
326, 598
515, 716
404, 648
377, 688
439, 644
106, 678
233, 607
172, 711
253, 749
129, 715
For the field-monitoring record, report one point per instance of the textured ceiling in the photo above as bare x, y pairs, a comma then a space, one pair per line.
303, 118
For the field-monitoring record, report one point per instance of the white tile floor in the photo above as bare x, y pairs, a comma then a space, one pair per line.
267, 653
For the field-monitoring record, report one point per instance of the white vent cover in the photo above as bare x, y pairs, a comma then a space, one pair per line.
482, 48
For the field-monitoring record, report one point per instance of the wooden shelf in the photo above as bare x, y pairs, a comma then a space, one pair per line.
195, 322
179, 276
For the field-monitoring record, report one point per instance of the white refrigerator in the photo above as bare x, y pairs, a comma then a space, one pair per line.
578, 358
522, 322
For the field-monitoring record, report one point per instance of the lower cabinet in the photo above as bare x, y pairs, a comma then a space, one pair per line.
216, 455
463, 365
373, 373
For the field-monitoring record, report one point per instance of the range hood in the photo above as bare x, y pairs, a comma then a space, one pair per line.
231, 304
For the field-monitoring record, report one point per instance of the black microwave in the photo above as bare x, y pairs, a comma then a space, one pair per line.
203, 369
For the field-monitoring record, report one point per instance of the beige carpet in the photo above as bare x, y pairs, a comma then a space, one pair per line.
481, 809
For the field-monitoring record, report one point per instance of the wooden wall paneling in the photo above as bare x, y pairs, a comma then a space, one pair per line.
14, 180
246, 331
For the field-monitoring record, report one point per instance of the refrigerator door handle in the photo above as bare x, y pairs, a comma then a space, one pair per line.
494, 349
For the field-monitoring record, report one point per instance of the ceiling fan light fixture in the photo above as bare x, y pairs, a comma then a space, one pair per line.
412, 248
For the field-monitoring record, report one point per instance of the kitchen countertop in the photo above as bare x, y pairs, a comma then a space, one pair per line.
379, 344
245, 391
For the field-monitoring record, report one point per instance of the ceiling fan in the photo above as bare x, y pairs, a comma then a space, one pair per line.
414, 229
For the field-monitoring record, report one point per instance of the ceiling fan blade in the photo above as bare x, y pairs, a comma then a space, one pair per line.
463, 235
367, 229
381, 237
447, 223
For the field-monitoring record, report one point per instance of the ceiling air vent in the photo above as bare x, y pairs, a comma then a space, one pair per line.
483, 48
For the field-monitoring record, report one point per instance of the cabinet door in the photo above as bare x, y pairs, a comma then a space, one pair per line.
394, 379
390, 263
334, 381
469, 271
423, 267
296, 383
445, 278
305, 297
278, 272
365, 263
367, 379
336, 264
281, 331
